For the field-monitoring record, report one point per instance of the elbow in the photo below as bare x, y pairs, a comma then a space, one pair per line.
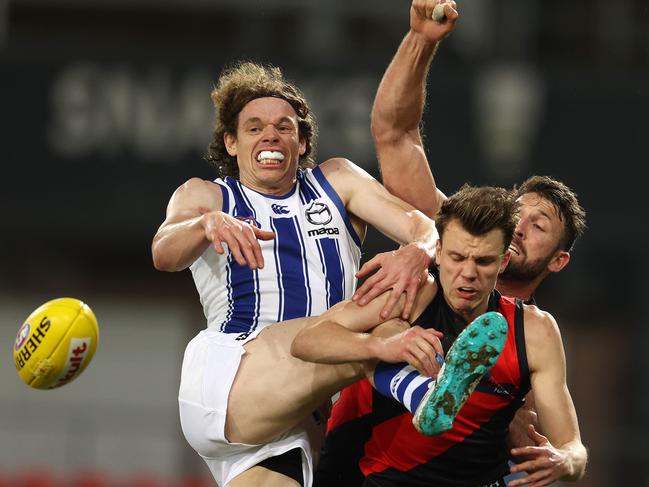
161, 260
580, 471
160, 264
302, 347
579, 460
384, 134
298, 347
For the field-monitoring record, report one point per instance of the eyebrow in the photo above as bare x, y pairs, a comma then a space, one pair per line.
548, 216
455, 253
259, 120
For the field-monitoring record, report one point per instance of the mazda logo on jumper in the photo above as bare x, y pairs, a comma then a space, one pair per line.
318, 214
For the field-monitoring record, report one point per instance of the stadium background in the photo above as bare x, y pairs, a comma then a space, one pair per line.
105, 110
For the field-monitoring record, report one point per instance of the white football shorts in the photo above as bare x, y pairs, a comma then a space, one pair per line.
209, 367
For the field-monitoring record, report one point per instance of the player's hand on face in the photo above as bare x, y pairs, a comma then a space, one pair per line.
544, 463
241, 238
402, 270
417, 346
421, 19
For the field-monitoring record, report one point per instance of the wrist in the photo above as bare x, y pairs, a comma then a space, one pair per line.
375, 347
422, 41
427, 251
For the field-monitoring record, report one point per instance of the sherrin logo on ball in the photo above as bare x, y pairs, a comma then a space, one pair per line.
56, 343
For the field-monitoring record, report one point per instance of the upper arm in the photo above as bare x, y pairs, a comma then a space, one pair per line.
192, 199
547, 362
367, 199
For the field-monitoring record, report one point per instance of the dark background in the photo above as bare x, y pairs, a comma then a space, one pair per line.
105, 110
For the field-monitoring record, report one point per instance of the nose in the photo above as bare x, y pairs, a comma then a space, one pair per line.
519, 231
270, 134
469, 269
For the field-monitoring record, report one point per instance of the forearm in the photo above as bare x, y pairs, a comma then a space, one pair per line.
330, 343
422, 233
177, 245
399, 102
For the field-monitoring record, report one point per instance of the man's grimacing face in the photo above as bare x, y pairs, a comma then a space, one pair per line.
536, 240
267, 145
468, 268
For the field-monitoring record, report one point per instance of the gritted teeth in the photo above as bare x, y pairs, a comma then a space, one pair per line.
270, 155
514, 249
467, 289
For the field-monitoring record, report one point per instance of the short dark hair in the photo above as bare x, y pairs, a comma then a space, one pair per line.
564, 200
237, 86
480, 209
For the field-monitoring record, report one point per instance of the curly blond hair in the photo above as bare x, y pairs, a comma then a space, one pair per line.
237, 86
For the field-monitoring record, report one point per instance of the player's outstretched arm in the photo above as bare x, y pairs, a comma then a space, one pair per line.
399, 105
194, 220
341, 335
559, 454
368, 201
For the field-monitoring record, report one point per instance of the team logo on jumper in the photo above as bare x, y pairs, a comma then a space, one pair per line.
318, 213
249, 220
279, 209
244, 335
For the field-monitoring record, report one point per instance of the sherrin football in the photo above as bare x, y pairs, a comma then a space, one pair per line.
56, 343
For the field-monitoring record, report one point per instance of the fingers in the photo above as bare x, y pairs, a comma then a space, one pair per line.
422, 365
432, 337
433, 18
369, 267
535, 479
242, 239
411, 294
256, 248
263, 234
523, 451
424, 347
535, 435
370, 289
450, 12
226, 236
248, 249
393, 299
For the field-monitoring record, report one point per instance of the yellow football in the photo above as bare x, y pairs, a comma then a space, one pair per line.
56, 343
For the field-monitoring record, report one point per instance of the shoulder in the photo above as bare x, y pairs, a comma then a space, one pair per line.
345, 177
194, 185
199, 194
338, 167
542, 335
538, 321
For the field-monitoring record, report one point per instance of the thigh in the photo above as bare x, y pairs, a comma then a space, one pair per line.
258, 476
273, 390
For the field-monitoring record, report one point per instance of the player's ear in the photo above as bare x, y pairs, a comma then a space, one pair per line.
559, 261
230, 141
302, 146
505, 261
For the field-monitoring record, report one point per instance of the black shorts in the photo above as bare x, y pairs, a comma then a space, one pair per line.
374, 480
288, 464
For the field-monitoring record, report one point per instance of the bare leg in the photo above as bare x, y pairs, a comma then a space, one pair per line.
273, 390
256, 476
